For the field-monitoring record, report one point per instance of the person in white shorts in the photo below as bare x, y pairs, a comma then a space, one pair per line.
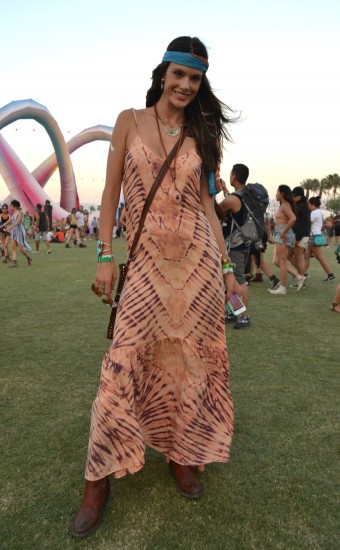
301, 229
81, 226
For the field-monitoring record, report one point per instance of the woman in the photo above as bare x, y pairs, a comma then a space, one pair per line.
27, 223
329, 228
73, 231
18, 234
165, 379
301, 229
4, 237
284, 236
314, 204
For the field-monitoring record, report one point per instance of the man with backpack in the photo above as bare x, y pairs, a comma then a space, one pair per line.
41, 223
238, 249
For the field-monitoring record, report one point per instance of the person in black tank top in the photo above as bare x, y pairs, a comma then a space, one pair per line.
41, 223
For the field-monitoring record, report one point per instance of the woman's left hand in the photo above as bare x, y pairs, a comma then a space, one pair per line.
230, 284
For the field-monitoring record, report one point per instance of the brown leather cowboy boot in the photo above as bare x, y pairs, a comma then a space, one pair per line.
90, 512
187, 481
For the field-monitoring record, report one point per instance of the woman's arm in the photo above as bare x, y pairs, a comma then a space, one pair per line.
17, 221
208, 205
106, 272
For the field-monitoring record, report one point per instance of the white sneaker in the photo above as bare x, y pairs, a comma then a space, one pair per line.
300, 282
279, 290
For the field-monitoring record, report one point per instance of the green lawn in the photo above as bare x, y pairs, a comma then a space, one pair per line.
281, 487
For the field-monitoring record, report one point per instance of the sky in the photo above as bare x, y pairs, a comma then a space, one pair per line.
275, 63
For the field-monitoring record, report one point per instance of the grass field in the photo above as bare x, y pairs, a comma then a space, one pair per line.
281, 487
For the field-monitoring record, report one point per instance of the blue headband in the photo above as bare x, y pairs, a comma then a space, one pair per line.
187, 59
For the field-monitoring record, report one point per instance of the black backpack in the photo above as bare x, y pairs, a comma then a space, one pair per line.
255, 200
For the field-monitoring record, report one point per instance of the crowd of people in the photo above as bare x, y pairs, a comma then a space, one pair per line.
291, 230
72, 231
19, 228
297, 231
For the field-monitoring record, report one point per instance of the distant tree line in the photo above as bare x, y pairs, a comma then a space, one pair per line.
328, 186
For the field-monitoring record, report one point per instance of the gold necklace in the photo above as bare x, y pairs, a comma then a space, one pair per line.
173, 132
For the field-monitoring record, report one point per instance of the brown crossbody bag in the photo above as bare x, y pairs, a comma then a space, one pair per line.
123, 268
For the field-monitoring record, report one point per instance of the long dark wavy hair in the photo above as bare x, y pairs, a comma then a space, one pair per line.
206, 116
285, 190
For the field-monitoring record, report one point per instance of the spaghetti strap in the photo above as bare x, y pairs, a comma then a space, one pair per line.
135, 117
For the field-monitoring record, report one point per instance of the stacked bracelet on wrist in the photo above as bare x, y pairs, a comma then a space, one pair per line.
103, 258
228, 268
225, 260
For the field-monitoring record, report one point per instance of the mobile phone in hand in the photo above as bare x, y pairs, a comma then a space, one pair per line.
235, 304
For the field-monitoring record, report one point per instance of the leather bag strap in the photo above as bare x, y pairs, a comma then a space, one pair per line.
152, 192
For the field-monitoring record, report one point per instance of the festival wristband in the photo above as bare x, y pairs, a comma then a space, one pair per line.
228, 265
105, 258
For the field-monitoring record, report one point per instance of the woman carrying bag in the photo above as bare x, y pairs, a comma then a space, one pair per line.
315, 248
165, 379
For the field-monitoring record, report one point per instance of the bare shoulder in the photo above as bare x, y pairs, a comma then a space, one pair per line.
128, 119
144, 115
285, 207
125, 118
231, 203
121, 130
147, 111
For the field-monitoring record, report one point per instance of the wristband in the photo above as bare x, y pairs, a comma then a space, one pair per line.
106, 258
228, 265
100, 245
226, 271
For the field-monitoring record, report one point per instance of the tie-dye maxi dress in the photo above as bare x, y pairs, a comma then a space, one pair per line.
165, 379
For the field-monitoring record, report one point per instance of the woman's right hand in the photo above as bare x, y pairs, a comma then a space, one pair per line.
106, 275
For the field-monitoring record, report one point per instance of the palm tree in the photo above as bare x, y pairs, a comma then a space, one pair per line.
321, 188
310, 185
331, 183
92, 209
336, 184
98, 207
